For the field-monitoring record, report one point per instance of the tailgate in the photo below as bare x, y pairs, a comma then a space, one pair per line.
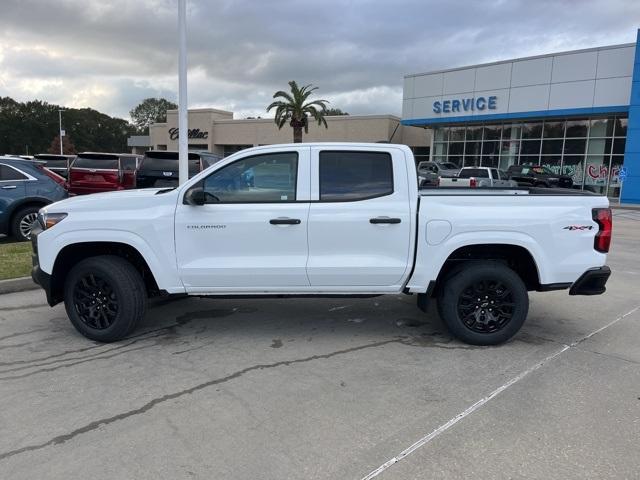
93, 180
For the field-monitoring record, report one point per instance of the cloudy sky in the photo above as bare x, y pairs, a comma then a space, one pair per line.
110, 54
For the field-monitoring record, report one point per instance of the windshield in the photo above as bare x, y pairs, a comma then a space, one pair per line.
474, 172
150, 164
96, 163
448, 166
543, 170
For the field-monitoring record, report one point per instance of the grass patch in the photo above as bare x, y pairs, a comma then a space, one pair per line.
15, 260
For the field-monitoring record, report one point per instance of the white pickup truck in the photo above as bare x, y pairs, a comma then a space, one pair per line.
477, 177
334, 219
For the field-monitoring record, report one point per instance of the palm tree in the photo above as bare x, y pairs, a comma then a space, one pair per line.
293, 109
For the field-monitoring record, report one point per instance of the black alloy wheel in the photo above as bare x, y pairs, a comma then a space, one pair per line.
483, 302
486, 306
95, 301
105, 297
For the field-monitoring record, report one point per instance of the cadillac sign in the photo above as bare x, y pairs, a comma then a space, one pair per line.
193, 133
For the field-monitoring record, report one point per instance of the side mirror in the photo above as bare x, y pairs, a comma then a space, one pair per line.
195, 196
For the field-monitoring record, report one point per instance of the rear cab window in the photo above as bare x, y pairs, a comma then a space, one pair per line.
167, 162
347, 176
102, 162
474, 172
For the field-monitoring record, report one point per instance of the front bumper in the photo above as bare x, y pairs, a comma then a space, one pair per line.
591, 282
39, 276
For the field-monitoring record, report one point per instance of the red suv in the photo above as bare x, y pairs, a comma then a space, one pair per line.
102, 172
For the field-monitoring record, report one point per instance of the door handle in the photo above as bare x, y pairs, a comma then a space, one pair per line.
379, 220
9, 187
284, 221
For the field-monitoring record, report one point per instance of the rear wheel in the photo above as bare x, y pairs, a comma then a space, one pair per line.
105, 298
23, 222
484, 303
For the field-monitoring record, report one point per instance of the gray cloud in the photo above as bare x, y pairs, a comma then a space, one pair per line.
111, 54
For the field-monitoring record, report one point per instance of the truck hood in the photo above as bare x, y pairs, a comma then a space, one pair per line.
109, 201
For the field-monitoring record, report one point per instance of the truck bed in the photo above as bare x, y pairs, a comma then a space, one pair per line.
433, 190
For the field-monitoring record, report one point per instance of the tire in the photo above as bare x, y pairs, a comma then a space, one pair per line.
22, 221
114, 315
480, 322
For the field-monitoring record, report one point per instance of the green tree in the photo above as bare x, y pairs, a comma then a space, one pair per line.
334, 112
68, 148
295, 110
151, 110
30, 126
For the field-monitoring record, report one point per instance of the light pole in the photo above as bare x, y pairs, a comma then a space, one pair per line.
183, 121
60, 129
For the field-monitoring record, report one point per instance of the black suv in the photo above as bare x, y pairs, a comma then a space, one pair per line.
159, 168
538, 176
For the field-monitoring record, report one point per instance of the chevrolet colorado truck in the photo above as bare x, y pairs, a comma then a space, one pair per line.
333, 219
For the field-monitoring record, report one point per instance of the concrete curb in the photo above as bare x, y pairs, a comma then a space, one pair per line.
17, 285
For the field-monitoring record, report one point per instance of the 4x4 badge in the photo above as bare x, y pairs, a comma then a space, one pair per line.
578, 227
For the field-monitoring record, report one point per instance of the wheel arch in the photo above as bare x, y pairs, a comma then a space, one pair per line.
73, 253
517, 257
24, 203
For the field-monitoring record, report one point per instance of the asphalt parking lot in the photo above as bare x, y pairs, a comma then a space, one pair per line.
329, 389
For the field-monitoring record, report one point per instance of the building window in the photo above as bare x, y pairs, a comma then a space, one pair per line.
231, 149
590, 150
420, 154
198, 146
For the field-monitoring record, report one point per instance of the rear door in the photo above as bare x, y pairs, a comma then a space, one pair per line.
359, 220
251, 235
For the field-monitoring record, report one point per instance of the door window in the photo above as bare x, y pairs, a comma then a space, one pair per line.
267, 178
348, 176
8, 174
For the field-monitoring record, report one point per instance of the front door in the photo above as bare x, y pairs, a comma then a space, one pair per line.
12, 189
251, 234
359, 222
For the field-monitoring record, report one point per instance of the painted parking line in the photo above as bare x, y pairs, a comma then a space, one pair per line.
446, 426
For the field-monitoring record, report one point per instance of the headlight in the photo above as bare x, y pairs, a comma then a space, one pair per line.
48, 220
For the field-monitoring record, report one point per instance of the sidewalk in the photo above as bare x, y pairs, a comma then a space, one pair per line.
625, 206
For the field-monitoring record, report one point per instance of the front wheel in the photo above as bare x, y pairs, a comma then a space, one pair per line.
105, 298
23, 223
484, 303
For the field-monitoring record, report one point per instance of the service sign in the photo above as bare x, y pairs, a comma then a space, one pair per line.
467, 104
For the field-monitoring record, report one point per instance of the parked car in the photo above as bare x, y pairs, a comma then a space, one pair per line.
159, 168
25, 187
56, 163
538, 176
321, 219
428, 172
478, 177
102, 172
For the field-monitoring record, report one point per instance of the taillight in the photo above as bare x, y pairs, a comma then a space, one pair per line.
438, 182
53, 176
473, 183
604, 219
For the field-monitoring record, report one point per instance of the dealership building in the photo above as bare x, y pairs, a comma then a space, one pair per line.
217, 131
577, 112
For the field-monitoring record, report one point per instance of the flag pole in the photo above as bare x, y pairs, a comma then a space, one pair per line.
183, 122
